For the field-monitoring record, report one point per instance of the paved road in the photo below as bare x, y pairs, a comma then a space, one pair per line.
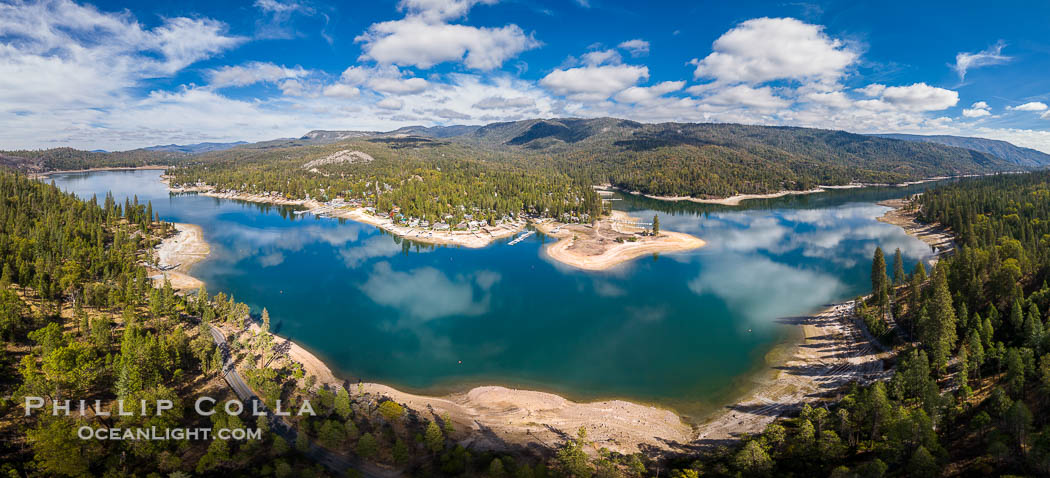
332, 461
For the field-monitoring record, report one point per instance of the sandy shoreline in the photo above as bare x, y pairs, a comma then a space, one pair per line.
904, 215
733, 200
586, 248
176, 254
476, 238
737, 199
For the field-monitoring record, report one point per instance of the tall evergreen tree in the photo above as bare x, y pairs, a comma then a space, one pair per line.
879, 281
898, 268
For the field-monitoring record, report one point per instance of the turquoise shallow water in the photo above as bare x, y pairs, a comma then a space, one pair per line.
679, 330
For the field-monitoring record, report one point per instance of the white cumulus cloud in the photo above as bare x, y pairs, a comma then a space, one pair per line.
424, 38
977, 110
641, 94
636, 47
766, 49
915, 97
594, 83
1030, 106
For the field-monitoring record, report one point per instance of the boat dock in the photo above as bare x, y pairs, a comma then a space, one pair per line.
521, 238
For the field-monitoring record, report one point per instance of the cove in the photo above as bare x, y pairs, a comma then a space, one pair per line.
681, 330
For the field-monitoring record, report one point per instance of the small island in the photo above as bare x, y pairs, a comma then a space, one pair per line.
612, 241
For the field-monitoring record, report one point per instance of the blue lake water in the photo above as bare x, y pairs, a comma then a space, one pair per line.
681, 330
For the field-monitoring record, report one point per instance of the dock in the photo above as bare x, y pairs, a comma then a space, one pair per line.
521, 238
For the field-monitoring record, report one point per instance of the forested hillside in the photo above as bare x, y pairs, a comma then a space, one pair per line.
61, 159
718, 160
426, 179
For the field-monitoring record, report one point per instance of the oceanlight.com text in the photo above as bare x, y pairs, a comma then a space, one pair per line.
154, 433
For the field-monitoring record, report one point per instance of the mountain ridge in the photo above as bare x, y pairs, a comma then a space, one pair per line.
1018, 155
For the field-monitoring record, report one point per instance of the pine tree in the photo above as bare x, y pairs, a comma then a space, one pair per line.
942, 337
879, 281
265, 320
434, 440
898, 268
656, 225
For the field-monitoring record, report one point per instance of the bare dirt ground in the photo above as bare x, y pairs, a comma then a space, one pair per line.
177, 254
904, 215
734, 200
612, 241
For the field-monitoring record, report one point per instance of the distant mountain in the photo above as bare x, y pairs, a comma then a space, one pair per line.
435, 131
319, 135
718, 159
195, 148
1014, 154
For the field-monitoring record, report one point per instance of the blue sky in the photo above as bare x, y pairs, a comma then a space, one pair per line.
116, 75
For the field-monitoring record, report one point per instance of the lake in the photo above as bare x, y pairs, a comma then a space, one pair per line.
682, 330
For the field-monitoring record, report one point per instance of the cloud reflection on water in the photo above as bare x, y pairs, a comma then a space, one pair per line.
761, 289
427, 293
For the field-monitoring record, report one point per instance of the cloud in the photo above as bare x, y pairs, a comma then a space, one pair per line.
915, 97
424, 38
593, 83
636, 47
991, 56
251, 73
277, 6
499, 102
602, 57
390, 104
743, 95
60, 58
977, 110
642, 94
834, 99
1030, 106
342, 90
451, 114
398, 86
383, 79
439, 10
766, 49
